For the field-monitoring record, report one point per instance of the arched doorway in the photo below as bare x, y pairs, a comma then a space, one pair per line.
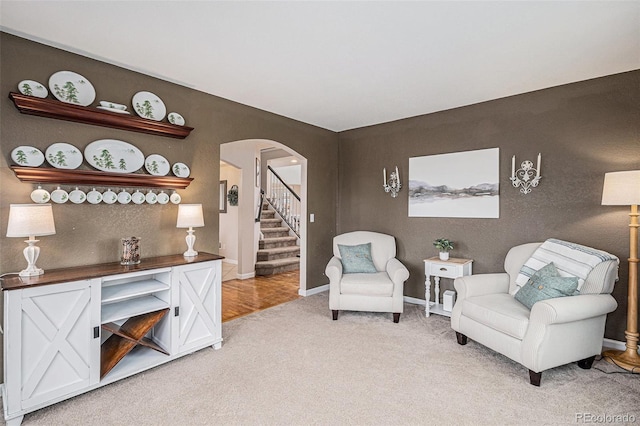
245, 155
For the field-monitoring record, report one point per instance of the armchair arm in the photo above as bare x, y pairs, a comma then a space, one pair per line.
481, 284
574, 308
397, 271
334, 270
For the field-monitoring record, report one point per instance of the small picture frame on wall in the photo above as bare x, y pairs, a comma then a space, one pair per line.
257, 172
223, 196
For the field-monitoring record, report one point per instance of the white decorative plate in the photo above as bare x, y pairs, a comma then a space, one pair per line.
27, 156
72, 88
181, 170
175, 118
109, 197
77, 196
138, 197
156, 165
148, 105
124, 197
151, 197
119, 111
110, 155
40, 195
175, 198
32, 88
163, 198
59, 196
94, 197
112, 105
63, 156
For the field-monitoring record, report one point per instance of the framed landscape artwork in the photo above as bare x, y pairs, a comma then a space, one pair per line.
459, 184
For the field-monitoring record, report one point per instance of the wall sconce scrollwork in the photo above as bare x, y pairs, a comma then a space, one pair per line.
526, 177
392, 185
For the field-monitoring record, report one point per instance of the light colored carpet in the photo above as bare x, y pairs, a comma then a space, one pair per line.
293, 365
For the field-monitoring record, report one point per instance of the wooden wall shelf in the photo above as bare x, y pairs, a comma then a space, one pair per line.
95, 178
63, 111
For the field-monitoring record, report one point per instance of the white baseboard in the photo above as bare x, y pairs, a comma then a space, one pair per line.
313, 291
246, 276
614, 344
231, 261
414, 300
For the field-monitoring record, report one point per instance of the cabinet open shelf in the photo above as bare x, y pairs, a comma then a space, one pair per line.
47, 175
120, 292
129, 308
89, 115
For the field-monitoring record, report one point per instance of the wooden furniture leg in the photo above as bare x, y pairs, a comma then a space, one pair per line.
586, 363
335, 314
535, 378
461, 338
396, 317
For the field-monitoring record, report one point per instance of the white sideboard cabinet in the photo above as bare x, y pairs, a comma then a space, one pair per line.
73, 330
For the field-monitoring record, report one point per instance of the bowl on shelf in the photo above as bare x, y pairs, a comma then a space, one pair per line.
113, 105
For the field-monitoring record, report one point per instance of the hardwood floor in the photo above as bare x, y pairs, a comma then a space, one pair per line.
242, 297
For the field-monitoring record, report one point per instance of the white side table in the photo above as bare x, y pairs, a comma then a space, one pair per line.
452, 268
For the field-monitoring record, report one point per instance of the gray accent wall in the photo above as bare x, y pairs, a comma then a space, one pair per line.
582, 130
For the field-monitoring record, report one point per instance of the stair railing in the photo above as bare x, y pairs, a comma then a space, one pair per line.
284, 200
259, 212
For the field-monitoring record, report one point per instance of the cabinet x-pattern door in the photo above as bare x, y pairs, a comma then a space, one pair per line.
52, 326
197, 306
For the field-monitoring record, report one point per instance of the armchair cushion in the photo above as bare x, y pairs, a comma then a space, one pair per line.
546, 283
356, 259
377, 284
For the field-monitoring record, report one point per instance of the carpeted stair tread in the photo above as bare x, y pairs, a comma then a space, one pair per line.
278, 253
270, 222
277, 266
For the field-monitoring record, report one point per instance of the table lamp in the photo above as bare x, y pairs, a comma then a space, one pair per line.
623, 189
30, 220
190, 216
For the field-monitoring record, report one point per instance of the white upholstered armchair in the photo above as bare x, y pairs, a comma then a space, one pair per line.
380, 290
554, 332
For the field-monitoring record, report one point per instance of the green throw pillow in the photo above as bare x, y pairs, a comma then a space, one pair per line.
546, 284
356, 259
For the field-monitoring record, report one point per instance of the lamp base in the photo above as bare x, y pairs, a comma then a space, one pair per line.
31, 272
628, 360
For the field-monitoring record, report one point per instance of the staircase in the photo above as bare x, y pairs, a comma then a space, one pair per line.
278, 252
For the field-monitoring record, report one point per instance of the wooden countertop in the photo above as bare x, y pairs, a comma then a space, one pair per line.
56, 276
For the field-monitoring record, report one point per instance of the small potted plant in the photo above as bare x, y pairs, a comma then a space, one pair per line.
444, 246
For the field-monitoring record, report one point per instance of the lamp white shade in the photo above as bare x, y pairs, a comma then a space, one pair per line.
190, 215
30, 220
621, 188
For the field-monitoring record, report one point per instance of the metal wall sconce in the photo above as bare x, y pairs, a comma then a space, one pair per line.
526, 177
392, 185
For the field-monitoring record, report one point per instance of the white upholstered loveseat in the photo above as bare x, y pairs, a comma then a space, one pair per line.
555, 332
381, 291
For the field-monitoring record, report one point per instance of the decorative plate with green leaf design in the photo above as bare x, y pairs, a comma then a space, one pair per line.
27, 156
157, 165
148, 105
32, 88
62, 155
72, 88
111, 155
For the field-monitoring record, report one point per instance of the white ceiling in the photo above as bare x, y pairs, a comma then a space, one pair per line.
342, 65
